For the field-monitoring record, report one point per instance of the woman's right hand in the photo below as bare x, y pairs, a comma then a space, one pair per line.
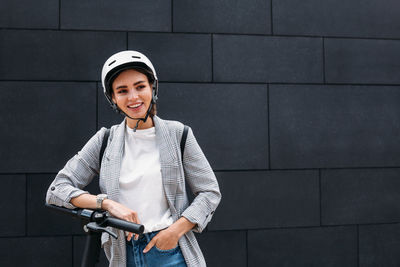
121, 212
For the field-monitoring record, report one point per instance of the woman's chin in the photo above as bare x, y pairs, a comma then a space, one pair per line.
135, 114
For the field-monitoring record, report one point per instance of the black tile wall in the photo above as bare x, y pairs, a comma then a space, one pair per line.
36, 251
362, 61
188, 57
45, 124
56, 55
360, 196
261, 199
322, 126
223, 121
379, 245
127, 15
29, 14
351, 18
41, 220
12, 205
224, 248
295, 104
251, 16
242, 58
313, 247
78, 250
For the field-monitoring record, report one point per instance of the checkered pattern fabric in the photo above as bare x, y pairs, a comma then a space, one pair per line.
194, 169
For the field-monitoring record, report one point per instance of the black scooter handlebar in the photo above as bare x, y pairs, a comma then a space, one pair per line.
123, 225
100, 217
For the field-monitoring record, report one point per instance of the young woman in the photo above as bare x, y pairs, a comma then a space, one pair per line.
143, 174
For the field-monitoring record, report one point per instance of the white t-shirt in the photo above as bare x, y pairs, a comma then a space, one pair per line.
140, 181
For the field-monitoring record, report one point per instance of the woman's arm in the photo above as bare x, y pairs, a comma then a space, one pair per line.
203, 183
76, 174
116, 209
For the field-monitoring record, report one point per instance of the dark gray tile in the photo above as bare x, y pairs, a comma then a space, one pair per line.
320, 126
351, 18
176, 57
43, 221
223, 121
224, 248
362, 61
79, 247
360, 196
379, 245
309, 247
267, 59
56, 55
126, 15
45, 123
36, 251
29, 14
260, 199
251, 16
12, 205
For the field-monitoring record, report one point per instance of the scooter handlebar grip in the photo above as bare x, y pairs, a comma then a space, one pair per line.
124, 225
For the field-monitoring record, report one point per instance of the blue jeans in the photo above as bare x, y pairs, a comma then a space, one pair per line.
155, 257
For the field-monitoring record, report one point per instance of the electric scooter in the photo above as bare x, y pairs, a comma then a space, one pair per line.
95, 223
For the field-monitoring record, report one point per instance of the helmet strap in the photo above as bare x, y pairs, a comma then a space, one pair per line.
138, 119
153, 101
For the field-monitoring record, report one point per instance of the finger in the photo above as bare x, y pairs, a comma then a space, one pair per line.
129, 237
149, 245
137, 221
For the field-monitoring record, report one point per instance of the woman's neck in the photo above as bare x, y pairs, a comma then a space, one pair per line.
142, 125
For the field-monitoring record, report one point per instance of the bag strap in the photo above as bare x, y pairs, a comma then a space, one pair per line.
103, 146
183, 140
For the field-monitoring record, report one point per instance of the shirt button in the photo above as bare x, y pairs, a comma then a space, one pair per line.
52, 188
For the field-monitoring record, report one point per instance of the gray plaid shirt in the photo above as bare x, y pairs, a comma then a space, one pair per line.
195, 170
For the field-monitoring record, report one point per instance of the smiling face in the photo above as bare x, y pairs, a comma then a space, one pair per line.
132, 93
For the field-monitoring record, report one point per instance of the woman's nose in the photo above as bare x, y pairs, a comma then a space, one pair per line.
132, 94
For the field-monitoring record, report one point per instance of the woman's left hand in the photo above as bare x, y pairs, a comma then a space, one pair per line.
168, 238
164, 240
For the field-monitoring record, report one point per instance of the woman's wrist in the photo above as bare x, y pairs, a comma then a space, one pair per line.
181, 227
105, 205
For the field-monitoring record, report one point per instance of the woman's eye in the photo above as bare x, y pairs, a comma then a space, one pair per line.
141, 87
121, 92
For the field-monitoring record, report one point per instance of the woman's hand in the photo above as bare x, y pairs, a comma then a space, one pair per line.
164, 240
168, 238
120, 211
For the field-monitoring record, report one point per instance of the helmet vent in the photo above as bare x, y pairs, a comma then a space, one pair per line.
111, 63
136, 57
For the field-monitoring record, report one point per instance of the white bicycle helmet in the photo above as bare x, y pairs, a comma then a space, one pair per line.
122, 61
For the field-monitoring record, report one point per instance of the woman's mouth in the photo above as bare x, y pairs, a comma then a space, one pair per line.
135, 106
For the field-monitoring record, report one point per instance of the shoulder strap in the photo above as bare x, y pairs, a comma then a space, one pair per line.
183, 140
103, 145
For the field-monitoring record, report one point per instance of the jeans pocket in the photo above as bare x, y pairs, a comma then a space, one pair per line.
167, 250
